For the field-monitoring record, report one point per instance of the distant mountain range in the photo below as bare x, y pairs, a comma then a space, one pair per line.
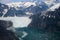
25, 8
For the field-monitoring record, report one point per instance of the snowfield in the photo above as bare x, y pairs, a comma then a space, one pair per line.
56, 6
19, 4
18, 21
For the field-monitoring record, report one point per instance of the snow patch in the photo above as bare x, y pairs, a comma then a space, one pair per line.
15, 4
19, 4
54, 7
27, 4
29, 13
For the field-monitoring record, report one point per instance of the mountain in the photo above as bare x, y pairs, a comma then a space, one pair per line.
7, 34
21, 4
17, 9
51, 3
26, 8
13, 12
6, 11
37, 9
56, 6
29, 7
3, 9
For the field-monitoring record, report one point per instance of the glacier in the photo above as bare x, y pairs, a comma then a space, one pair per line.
18, 22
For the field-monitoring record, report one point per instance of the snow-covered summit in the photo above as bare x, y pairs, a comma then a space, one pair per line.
18, 4
51, 2
56, 6
15, 4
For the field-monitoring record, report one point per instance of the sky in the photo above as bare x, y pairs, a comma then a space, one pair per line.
9, 1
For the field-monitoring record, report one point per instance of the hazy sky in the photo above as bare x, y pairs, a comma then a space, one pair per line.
9, 1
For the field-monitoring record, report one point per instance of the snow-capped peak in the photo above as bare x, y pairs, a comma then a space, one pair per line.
27, 4
15, 4
49, 2
56, 6
18, 4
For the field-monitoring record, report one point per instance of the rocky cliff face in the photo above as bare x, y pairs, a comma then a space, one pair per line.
6, 34
49, 21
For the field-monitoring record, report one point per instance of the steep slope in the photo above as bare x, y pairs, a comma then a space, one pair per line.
54, 7
3, 9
